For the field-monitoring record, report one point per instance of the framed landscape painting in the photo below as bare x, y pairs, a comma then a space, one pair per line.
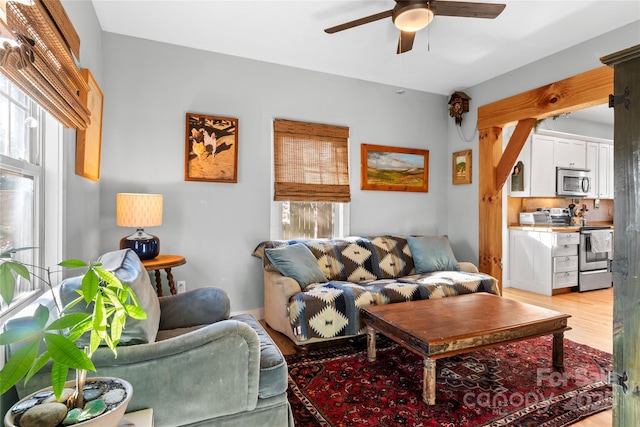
211, 151
461, 167
393, 168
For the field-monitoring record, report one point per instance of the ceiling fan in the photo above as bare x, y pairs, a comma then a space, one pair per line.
411, 16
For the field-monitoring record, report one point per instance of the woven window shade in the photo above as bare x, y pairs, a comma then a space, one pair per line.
311, 162
42, 65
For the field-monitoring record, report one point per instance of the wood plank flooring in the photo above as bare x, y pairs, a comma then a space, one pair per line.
591, 323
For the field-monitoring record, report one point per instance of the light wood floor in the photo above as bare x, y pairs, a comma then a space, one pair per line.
591, 322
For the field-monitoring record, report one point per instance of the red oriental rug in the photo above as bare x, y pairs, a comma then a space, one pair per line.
511, 385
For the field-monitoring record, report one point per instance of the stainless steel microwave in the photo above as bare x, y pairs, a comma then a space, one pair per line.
573, 182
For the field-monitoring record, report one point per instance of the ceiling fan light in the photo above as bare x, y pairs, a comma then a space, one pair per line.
412, 18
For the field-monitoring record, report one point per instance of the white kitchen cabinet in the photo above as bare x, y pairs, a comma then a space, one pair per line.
541, 261
543, 170
605, 171
592, 151
599, 157
569, 153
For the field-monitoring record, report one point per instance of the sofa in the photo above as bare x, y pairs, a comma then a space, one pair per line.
314, 288
189, 361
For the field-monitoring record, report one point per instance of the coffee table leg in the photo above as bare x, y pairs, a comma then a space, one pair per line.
371, 344
429, 382
558, 350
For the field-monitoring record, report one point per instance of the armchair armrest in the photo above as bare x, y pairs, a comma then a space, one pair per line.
278, 290
200, 306
469, 267
212, 371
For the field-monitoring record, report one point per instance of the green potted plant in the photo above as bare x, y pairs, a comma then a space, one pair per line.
109, 303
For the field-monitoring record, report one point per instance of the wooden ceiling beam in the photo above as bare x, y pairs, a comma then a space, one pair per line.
584, 90
511, 153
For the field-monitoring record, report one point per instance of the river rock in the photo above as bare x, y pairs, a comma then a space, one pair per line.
92, 393
66, 394
44, 415
114, 396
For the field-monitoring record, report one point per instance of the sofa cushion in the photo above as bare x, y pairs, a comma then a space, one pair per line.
126, 266
298, 262
353, 259
273, 367
432, 253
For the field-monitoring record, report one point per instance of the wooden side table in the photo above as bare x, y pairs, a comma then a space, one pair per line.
164, 262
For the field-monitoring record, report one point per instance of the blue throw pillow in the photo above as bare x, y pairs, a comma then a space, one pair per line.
298, 262
432, 253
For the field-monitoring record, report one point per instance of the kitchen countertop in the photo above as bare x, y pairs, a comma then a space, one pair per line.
555, 228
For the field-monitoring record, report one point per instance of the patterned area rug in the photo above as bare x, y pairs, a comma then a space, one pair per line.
512, 385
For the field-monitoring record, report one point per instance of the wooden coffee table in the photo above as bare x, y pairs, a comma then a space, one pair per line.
444, 327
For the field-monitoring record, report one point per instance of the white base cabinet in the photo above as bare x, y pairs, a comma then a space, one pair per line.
541, 261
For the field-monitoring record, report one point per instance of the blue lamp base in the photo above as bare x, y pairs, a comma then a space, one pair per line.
144, 245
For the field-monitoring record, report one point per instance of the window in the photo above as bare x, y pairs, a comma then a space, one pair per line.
21, 185
311, 180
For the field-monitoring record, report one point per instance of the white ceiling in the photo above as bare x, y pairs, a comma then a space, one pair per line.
450, 54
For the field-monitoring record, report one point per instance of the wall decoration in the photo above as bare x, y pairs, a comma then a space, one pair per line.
89, 140
462, 167
393, 168
211, 152
458, 105
517, 177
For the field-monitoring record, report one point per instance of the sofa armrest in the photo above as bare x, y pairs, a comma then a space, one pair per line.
200, 306
209, 372
278, 290
468, 267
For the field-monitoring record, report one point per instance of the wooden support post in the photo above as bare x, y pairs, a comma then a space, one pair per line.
490, 209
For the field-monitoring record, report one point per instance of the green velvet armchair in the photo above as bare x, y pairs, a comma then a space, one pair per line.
189, 361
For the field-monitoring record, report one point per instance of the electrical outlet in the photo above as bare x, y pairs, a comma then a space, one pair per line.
182, 286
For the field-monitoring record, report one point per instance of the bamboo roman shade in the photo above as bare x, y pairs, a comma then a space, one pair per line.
311, 162
42, 64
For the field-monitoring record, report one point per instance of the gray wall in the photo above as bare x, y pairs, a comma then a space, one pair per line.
462, 207
150, 86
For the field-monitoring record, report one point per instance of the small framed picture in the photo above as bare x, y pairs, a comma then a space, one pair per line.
462, 167
211, 152
393, 168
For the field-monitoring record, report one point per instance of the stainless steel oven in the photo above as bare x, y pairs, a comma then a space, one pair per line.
594, 260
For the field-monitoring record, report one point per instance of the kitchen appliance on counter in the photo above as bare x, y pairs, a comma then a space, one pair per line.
533, 218
558, 217
595, 253
573, 182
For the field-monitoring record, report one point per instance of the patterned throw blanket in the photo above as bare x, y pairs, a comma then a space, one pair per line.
363, 271
328, 310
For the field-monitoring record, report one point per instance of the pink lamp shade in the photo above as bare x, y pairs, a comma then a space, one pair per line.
140, 210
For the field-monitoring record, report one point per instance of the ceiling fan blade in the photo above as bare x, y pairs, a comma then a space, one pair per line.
468, 10
361, 21
405, 41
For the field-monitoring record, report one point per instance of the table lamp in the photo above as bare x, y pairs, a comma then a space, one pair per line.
139, 211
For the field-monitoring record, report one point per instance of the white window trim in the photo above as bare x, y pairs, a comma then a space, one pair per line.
49, 204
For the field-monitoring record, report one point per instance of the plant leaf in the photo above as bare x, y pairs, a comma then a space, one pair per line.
90, 285
109, 278
68, 321
20, 333
41, 316
7, 282
135, 312
18, 365
64, 351
59, 373
38, 364
117, 324
72, 263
